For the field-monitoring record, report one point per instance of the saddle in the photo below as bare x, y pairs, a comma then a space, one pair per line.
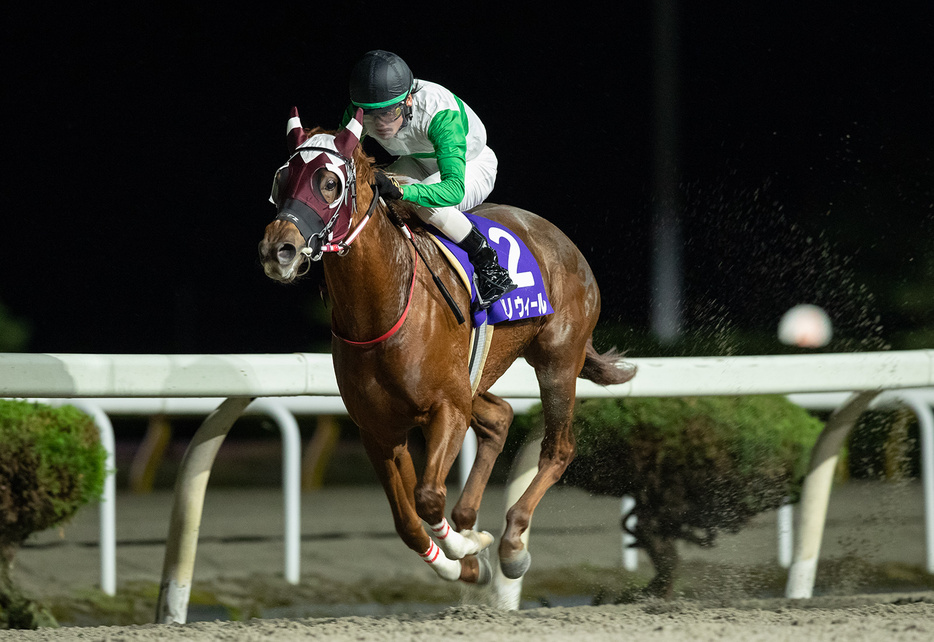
528, 300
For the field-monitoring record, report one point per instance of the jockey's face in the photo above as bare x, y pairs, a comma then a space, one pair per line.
386, 123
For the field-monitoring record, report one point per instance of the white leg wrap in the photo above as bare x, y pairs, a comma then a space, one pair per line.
447, 569
458, 545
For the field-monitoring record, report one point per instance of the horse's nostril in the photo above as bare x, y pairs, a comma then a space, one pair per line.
286, 253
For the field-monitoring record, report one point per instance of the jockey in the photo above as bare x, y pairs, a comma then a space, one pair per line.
441, 147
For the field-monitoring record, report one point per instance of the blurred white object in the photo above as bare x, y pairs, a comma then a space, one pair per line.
805, 326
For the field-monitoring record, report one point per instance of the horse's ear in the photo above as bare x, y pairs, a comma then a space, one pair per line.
294, 130
346, 141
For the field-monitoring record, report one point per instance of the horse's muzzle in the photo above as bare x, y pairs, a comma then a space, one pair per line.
280, 259
285, 253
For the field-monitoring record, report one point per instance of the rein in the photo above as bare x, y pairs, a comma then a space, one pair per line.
342, 247
447, 296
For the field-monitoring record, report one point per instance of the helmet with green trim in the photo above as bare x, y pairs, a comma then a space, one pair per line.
379, 80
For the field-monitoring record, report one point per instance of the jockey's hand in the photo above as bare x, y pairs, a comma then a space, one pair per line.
388, 188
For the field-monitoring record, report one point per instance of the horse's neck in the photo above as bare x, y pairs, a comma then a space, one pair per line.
369, 286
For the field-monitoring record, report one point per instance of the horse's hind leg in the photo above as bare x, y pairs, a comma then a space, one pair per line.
490, 418
557, 381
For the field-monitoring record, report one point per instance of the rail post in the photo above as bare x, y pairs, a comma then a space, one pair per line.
178, 567
815, 494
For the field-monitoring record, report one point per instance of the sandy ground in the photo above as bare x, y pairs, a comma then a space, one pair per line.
681, 622
347, 540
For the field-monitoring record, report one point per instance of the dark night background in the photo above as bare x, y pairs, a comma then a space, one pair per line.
140, 140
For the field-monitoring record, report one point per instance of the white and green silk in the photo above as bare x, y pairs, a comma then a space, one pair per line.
443, 149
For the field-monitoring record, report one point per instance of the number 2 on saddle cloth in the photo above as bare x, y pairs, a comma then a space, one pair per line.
529, 299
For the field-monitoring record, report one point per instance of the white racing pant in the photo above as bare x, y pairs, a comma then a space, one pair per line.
480, 175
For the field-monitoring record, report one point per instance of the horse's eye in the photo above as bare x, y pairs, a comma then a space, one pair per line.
326, 186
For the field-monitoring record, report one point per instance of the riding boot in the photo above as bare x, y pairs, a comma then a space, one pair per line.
492, 281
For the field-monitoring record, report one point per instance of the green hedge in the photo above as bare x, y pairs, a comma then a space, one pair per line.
694, 466
694, 463
51, 463
753, 432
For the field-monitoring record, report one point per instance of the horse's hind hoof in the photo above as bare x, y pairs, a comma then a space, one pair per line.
516, 567
476, 569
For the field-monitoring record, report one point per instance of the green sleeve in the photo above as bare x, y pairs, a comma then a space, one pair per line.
349, 113
448, 134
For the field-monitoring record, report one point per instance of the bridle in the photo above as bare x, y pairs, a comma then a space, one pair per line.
315, 248
306, 218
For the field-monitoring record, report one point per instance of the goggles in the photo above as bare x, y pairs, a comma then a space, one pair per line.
385, 115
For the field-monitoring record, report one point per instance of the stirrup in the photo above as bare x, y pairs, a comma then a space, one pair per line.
492, 283
490, 278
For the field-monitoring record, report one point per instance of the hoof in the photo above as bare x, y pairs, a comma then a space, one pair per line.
486, 571
482, 539
516, 567
458, 545
476, 570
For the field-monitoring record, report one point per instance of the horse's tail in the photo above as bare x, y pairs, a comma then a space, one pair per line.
607, 368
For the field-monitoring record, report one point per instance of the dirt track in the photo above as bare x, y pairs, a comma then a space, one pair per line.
669, 621
349, 553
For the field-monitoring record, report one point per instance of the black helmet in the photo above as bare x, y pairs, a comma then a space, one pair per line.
379, 80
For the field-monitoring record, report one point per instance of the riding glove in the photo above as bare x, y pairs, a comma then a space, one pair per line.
388, 188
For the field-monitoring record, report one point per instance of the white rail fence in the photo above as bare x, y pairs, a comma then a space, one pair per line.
240, 378
282, 411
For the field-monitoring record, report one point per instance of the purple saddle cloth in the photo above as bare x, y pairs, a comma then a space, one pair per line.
529, 299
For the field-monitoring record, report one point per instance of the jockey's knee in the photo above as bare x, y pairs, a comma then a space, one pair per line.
450, 220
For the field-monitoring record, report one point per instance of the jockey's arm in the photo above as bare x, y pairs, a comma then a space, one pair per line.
448, 134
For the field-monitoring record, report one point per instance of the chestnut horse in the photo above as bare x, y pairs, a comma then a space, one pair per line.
401, 357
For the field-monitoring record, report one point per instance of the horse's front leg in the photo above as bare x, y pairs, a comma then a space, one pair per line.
393, 465
491, 418
444, 436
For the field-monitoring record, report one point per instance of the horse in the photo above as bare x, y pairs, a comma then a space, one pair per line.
401, 356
